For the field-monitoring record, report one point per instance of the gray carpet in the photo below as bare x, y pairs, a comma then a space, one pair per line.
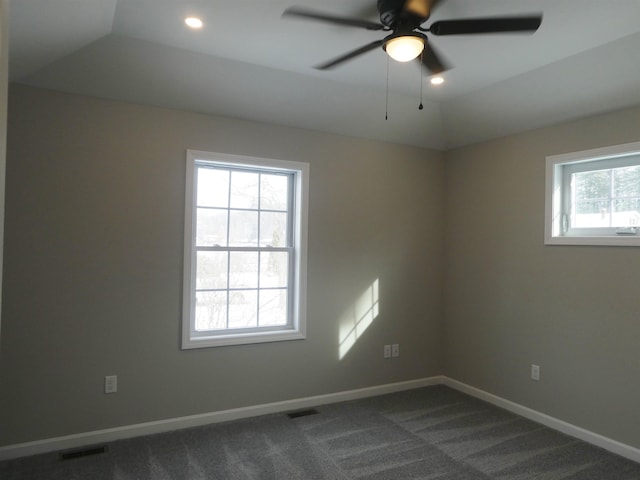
433, 433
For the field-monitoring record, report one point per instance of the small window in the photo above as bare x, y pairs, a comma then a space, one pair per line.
593, 197
245, 250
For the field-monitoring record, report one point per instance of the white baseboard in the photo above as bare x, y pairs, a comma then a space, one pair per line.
150, 428
160, 426
596, 439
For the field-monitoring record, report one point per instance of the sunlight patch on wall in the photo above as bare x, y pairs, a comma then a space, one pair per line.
358, 318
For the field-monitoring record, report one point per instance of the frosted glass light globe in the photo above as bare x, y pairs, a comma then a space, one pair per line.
404, 49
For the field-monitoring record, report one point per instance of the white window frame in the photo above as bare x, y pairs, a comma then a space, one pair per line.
296, 329
558, 172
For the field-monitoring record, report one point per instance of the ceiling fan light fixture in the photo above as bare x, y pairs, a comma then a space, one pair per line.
404, 48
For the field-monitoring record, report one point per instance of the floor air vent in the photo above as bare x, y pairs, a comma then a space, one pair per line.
84, 452
303, 413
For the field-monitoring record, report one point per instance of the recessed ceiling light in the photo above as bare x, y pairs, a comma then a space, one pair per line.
193, 22
437, 80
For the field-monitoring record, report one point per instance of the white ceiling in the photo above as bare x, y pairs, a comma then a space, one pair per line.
249, 62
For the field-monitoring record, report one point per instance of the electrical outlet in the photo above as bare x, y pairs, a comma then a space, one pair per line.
111, 384
535, 372
395, 350
387, 351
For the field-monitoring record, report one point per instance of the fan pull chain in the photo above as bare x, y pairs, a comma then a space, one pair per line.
386, 108
420, 107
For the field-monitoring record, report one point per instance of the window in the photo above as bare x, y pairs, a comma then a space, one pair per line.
593, 197
245, 250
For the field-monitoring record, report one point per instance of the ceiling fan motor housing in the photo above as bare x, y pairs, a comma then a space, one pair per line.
390, 11
395, 16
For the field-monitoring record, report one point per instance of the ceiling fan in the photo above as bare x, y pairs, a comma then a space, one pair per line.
406, 42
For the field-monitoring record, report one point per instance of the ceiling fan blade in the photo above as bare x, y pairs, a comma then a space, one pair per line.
486, 25
432, 61
333, 19
421, 8
370, 10
348, 56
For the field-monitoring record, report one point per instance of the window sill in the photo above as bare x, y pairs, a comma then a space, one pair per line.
608, 241
241, 339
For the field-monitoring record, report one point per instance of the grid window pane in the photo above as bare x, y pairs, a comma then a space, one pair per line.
243, 270
211, 311
274, 192
274, 269
273, 229
592, 214
592, 199
244, 190
243, 228
593, 185
626, 212
211, 227
597, 207
273, 307
211, 270
607, 198
626, 182
243, 309
213, 188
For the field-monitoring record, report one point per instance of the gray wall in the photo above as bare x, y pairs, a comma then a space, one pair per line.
93, 265
511, 301
93, 272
